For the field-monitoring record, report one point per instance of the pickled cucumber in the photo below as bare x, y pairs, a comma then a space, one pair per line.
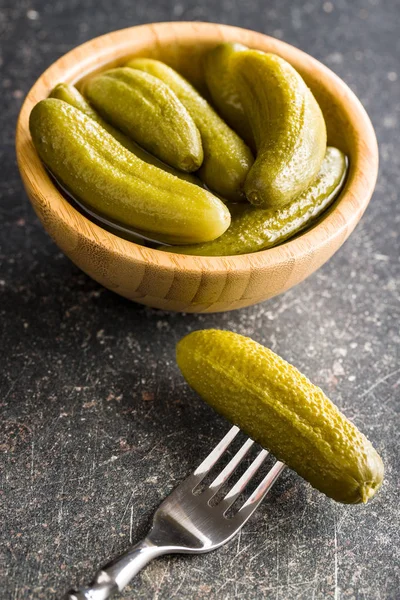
277, 406
116, 184
69, 93
223, 88
287, 125
149, 112
254, 229
227, 159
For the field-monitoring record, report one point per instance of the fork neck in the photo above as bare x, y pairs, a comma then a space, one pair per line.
118, 573
122, 569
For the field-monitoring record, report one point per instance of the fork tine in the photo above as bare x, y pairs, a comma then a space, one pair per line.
191, 482
261, 491
230, 467
240, 485
216, 454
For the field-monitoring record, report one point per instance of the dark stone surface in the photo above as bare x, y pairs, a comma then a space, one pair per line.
98, 424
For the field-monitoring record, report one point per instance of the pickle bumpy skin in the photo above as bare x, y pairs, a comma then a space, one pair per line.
287, 125
227, 159
69, 93
278, 407
222, 86
99, 171
253, 229
149, 112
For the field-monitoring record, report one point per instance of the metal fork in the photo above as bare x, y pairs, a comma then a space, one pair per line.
187, 523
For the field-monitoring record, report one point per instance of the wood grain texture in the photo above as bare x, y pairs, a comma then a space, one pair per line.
187, 283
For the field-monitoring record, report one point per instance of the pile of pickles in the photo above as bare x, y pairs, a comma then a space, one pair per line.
141, 148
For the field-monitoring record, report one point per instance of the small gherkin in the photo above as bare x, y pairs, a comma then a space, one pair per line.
278, 407
116, 184
287, 125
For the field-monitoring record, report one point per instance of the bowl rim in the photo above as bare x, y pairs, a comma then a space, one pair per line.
101, 50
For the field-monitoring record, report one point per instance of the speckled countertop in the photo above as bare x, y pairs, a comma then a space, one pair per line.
97, 423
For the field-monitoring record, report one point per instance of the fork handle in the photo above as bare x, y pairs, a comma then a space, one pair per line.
118, 573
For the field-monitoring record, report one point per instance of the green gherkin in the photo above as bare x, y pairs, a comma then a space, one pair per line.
116, 184
287, 125
278, 407
253, 229
149, 112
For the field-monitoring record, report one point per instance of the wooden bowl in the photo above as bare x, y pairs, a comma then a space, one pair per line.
188, 283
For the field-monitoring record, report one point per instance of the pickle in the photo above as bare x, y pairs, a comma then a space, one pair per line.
106, 177
253, 229
223, 88
227, 159
149, 112
278, 407
69, 93
287, 125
